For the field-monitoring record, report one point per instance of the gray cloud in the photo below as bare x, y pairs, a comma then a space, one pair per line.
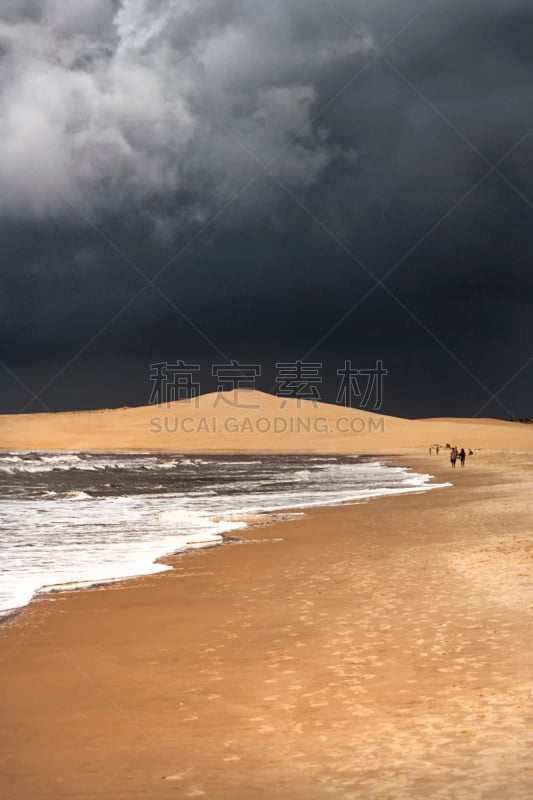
125, 106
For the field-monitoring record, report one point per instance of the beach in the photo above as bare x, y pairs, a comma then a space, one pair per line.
372, 650
266, 425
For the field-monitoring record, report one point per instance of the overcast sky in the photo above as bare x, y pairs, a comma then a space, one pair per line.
324, 180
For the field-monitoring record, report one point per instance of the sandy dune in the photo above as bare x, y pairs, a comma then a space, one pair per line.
251, 421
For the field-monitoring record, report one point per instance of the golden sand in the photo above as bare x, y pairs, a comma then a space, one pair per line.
252, 422
380, 650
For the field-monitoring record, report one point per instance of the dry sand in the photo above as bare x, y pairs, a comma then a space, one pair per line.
251, 422
381, 650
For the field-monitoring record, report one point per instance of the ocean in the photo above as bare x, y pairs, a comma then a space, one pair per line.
71, 520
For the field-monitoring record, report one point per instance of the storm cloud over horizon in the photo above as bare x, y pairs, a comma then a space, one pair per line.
307, 179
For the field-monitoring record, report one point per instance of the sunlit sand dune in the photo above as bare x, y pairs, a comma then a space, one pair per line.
251, 421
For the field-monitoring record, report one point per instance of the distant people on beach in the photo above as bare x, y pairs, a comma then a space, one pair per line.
437, 448
430, 451
470, 452
462, 456
453, 456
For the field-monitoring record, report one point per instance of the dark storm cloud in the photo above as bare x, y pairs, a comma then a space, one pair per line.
146, 118
116, 104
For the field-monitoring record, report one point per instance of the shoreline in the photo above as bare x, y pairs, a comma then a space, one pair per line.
257, 519
369, 650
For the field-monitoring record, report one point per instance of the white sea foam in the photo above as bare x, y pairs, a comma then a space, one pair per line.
38, 463
61, 537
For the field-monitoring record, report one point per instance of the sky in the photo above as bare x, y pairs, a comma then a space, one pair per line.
314, 181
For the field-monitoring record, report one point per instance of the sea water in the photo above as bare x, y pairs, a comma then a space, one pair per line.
69, 520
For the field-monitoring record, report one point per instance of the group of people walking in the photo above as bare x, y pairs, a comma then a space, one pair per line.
455, 454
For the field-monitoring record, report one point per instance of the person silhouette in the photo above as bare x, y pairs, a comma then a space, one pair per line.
462, 456
453, 456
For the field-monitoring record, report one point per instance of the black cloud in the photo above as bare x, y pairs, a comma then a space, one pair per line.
132, 139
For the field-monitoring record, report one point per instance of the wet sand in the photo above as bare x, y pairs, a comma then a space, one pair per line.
381, 650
